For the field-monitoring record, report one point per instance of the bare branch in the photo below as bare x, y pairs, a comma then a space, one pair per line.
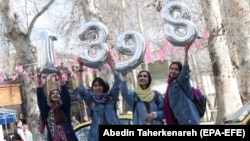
38, 15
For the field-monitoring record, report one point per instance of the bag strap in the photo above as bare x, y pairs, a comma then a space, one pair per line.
156, 98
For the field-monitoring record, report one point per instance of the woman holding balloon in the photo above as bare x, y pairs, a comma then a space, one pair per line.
101, 100
178, 108
56, 111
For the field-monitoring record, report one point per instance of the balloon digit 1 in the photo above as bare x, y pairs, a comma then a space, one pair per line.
46, 55
130, 43
178, 29
96, 33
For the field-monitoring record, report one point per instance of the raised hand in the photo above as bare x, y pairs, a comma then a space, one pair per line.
80, 62
38, 73
111, 62
188, 44
59, 72
39, 78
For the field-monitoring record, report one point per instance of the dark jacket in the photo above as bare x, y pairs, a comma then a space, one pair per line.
65, 107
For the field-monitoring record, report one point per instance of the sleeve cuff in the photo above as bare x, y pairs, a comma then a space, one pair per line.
155, 115
123, 78
62, 82
40, 84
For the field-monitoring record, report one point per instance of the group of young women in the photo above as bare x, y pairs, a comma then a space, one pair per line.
149, 107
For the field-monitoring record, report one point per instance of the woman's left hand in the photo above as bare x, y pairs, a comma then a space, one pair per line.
111, 62
149, 117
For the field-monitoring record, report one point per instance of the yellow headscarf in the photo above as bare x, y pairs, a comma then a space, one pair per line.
144, 95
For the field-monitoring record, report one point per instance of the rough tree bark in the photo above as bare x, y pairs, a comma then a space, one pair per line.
237, 19
227, 96
22, 44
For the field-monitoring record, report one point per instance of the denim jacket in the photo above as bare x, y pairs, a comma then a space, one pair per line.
183, 108
101, 112
140, 112
44, 109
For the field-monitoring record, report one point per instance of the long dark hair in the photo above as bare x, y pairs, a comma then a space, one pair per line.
58, 115
179, 64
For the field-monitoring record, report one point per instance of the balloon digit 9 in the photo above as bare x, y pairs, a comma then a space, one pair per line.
130, 43
96, 33
46, 55
180, 29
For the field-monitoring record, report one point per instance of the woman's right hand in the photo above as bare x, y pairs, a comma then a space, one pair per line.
188, 44
111, 62
39, 78
80, 62
38, 73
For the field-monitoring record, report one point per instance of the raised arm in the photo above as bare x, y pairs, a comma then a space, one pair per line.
188, 45
41, 97
115, 90
80, 70
83, 92
65, 95
111, 63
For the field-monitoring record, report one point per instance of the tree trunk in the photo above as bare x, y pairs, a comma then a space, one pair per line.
237, 22
228, 99
26, 56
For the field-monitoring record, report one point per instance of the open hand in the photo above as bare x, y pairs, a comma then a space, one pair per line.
59, 72
38, 73
110, 60
80, 62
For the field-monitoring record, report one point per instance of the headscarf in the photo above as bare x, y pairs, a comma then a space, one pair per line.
169, 116
145, 95
101, 98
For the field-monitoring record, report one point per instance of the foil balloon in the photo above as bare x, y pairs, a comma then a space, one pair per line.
96, 34
178, 28
45, 53
132, 44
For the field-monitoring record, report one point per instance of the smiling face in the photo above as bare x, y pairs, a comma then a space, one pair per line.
144, 79
98, 87
174, 70
55, 95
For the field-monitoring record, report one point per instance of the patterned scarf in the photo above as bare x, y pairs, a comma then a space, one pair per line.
101, 98
56, 131
169, 116
144, 95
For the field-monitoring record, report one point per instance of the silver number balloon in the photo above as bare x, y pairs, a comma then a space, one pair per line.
46, 55
178, 28
96, 34
132, 44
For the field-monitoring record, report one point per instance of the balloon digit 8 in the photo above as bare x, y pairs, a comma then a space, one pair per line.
96, 33
180, 29
130, 43
46, 55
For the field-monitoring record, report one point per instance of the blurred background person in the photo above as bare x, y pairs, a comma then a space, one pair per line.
18, 131
27, 133
74, 122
